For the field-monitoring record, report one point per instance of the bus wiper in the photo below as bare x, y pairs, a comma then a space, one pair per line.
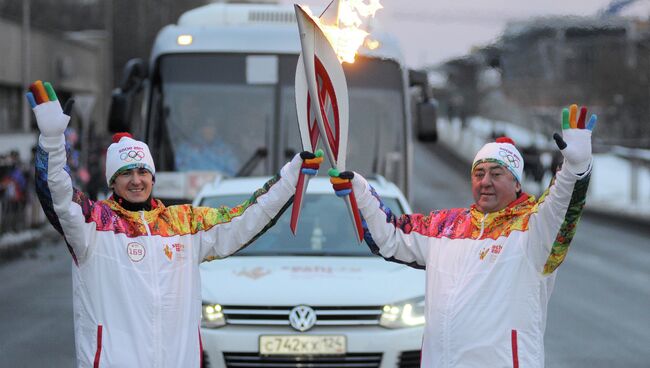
252, 162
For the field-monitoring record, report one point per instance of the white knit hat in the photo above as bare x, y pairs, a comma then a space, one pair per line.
503, 152
126, 153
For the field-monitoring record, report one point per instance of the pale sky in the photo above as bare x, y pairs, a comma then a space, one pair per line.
433, 31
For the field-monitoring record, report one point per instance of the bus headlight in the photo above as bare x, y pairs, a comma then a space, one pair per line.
409, 313
212, 316
184, 40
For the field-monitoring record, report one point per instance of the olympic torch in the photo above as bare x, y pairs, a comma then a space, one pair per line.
321, 86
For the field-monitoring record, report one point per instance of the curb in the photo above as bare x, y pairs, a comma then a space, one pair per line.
13, 245
637, 221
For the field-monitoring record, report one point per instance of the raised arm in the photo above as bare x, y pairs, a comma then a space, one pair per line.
560, 207
64, 206
395, 239
227, 230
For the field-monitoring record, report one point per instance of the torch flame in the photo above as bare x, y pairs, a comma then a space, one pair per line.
347, 35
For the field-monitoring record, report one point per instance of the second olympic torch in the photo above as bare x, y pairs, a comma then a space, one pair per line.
322, 105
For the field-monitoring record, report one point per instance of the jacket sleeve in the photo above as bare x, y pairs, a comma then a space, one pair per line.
227, 230
65, 207
388, 236
554, 220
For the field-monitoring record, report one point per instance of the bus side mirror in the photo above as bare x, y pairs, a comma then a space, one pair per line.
426, 108
418, 78
122, 99
427, 115
119, 115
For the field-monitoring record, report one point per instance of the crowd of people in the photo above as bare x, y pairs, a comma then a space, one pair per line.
19, 205
15, 196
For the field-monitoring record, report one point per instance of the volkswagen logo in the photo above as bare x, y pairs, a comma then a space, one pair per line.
302, 318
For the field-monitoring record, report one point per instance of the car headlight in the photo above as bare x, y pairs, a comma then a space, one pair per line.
408, 313
212, 316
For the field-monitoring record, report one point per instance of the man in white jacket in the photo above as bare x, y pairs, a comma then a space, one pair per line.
136, 284
490, 268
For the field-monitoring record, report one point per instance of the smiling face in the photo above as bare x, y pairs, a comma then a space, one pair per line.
134, 185
493, 187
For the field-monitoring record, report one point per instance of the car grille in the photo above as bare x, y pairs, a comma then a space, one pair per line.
351, 360
409, 359
325, 316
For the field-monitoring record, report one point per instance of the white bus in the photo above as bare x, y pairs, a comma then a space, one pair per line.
219, 100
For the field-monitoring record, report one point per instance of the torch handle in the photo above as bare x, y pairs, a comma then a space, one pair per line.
301, 188
353, 210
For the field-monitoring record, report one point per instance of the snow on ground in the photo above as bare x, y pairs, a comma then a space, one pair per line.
618, 185
12, 240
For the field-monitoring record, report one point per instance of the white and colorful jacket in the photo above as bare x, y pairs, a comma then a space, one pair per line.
489, 276
136, 284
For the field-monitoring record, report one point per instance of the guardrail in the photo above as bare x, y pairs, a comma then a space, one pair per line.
638, 160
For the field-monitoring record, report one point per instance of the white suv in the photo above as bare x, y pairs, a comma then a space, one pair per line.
317, 299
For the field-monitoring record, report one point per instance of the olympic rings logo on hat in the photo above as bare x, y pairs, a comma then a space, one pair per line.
510, 158
132, 156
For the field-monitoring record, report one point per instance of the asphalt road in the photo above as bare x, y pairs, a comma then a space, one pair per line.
36, 309
599, 314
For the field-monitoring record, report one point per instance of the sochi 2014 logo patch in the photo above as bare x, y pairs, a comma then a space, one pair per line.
493, 251
135, 251
176, 250
483, 252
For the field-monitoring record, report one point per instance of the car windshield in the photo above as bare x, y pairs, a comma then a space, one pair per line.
324, 228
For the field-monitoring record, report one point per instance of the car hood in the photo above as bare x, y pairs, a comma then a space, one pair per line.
322, 281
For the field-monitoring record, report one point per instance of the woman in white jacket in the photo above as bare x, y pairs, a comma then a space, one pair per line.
136, 284
490, 268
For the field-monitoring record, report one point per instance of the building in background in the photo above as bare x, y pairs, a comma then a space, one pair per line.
80, 46
601, 62
539, 65
73, 63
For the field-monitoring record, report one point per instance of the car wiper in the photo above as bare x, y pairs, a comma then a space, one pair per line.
304, 254
276, 254
330, 254
252, 162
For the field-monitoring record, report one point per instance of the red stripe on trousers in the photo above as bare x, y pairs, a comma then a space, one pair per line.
98, 353
200, 349
515, 353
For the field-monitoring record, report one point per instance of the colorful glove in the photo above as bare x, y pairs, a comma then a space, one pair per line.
51, 119
311, 162
341, 181
575, 141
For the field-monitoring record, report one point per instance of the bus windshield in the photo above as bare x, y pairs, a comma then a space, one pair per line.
218, 115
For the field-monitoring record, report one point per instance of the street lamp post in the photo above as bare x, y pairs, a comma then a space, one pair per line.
26, 62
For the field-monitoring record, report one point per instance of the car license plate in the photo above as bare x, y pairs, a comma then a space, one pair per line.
302, 345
